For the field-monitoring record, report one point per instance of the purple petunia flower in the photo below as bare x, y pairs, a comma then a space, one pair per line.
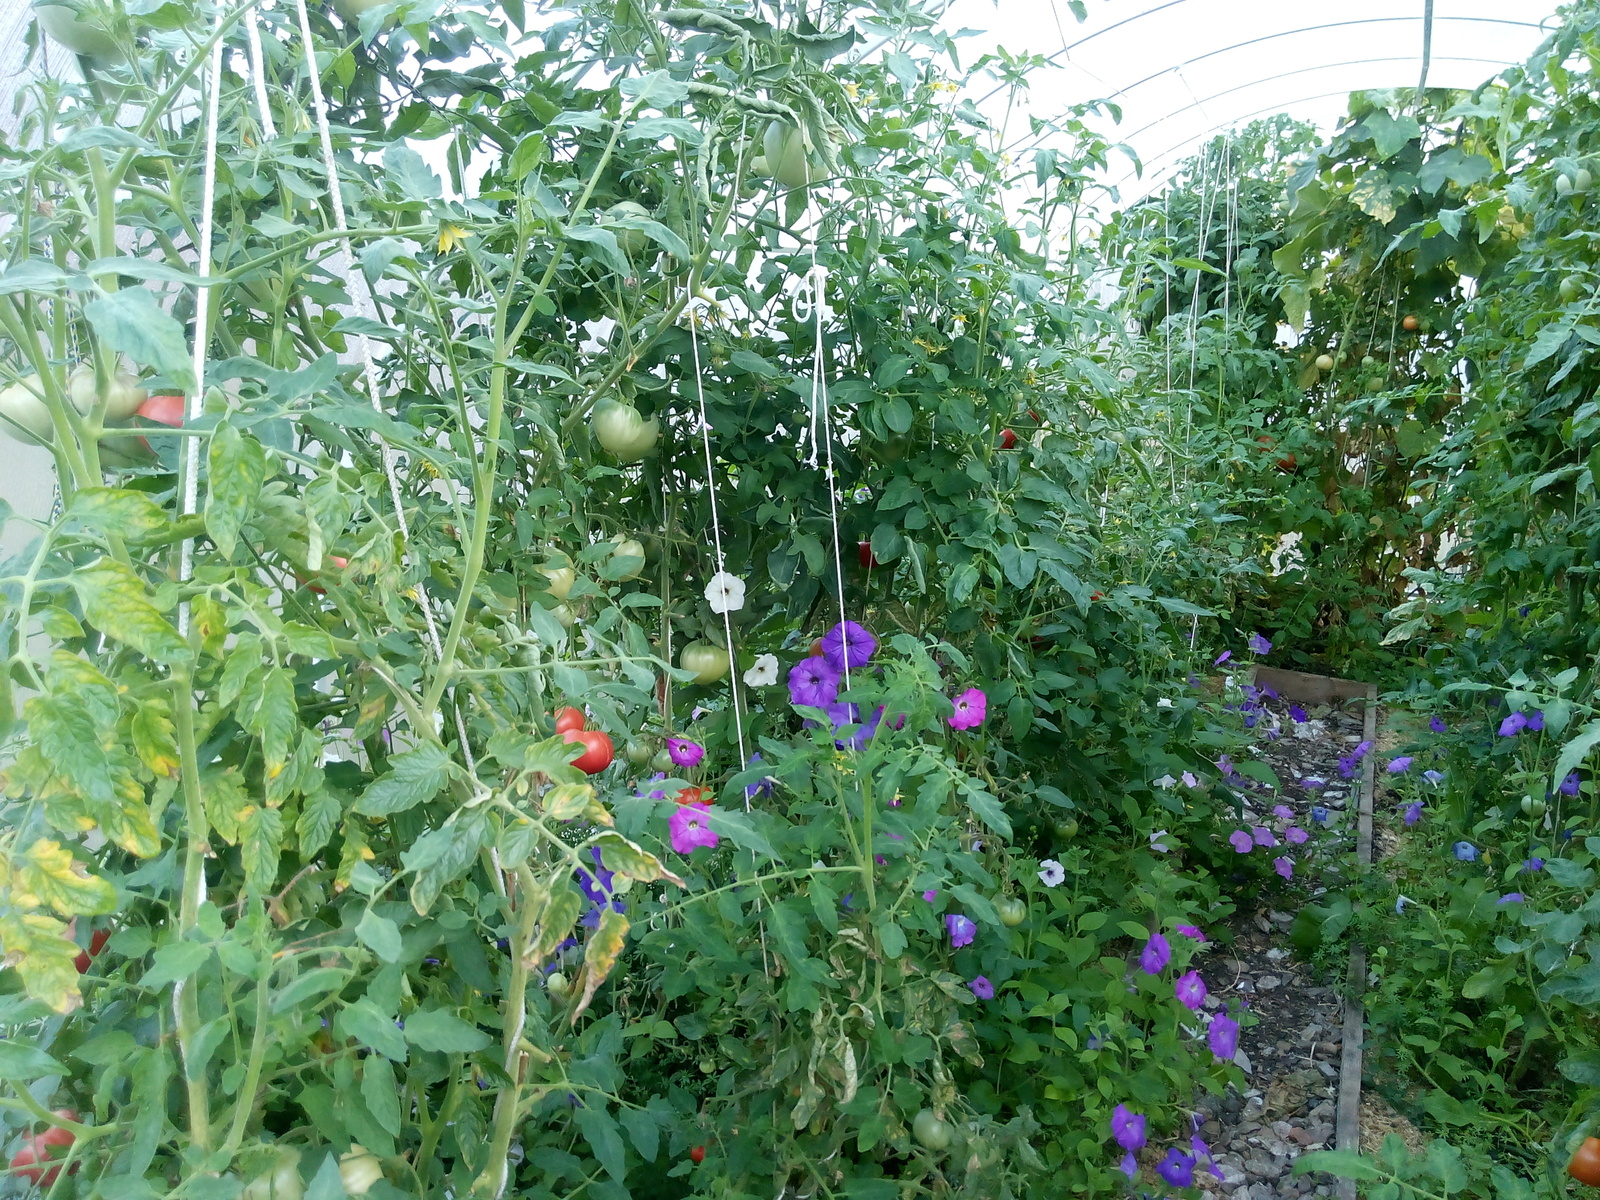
1465, 852
1129, 1165
1295, 836
971, 708
1127, 1127
1297, 714
761, 787
1262, 836
1413, 812
1513, 724
982, 988
1192, 932
1157, 953
1258, 644
1222, 658
1437, 724
1536, 721
1224, 1037
1284, 867
962, 930
684, 753
1177, 1168
1399, 766
1319, 814
930, 894
848, 645
1283, 812
1190, 990
813, 682
1569, 786
1362, 750
1241, 841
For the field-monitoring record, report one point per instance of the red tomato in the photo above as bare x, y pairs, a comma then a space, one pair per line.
1585, 1164
816, 648
1033, 416
865, 555
691, 795
1096, 595
569, 718
597, 757
164, 410
341, 563
697, 1155
1008, 439
55, 1135
97, 940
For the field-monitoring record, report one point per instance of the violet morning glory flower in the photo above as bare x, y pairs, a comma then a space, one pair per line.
1262, 836
1222, 658
962, 930
1157, 953
1437, 724
971, 708
848, 644
761, 787
1434, 777
684, 753
1129, 1165
1177, 1168
1510, 898
689, 829
1297, 714
1284, 867
1536, 721
1295, 836
1127, 1127
813, 682
1241, 841
930, 894
1465, 852
1190, 990
1513, 724
1569, 785
1399, 766
1362, 750
1193, 932
597, 885
1533, 864
982, 988
1258, 644
1223, 1037
1319, 814
1190, 779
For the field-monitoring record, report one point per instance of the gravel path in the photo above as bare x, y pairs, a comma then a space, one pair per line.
1291, 1056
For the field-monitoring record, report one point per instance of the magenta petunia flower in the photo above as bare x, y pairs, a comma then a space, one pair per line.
684, 753
813, 682
971, 708
1241, 841
962, 930
1190, 990
930, 894
1224, 1036
1157, 953
1284, 867
1127, 1127
1191, 931
848, 645
982, 988
1294, 835
689, 828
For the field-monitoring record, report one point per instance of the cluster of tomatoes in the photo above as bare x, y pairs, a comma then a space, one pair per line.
598, 751
39, 1159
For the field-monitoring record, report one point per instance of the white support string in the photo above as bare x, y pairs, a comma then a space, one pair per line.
817, 286
366, 306
716, 531
258, 74
202, 322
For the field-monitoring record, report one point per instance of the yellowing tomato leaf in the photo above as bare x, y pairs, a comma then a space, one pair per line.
238, 468
48, 874
116, 601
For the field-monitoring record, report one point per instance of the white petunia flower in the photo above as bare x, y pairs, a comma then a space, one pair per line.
763, 672
1051, 873
1166, 781
725, 593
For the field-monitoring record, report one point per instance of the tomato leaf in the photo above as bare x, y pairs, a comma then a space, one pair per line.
413, 777
237, 468
132, 322
116, 602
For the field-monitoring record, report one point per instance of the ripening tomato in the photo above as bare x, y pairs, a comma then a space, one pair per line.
1585, 1164
598, 752
339, 563
697, 1155
1324, 362
97, 941
1410, 323
570, 718
1008, 439
691, 795
55, 1135
164, 410
864, 553
27, 1164
816, 648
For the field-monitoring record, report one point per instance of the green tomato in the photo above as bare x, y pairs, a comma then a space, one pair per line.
634, 242
1368, 361
1582, 181
785, 147
123, 397
280, 1182
1534, 808
1571, 288
622, 432
931, 1131
1324, 362
1563, 184
663, 762
22, 407
359, 1170
638, 752
80, 34
351, 10
1012, 911
557, 984
1066, 827
629, 548
709, 663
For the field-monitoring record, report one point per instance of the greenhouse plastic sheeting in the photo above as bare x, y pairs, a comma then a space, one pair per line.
1183, 69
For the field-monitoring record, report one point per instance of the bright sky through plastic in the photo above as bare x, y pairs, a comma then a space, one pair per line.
1183, 70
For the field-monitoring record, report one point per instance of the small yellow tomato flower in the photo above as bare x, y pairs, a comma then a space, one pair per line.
451, 236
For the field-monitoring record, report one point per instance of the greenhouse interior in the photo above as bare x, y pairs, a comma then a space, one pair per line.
775, 600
